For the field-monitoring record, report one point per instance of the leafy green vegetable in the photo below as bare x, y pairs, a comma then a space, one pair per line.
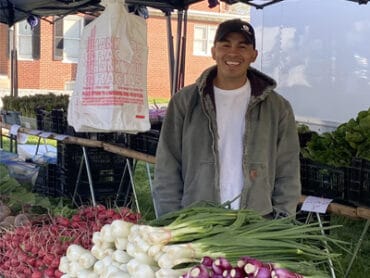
338, 148
19, 196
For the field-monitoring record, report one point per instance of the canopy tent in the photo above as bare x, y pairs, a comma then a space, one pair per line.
12, 11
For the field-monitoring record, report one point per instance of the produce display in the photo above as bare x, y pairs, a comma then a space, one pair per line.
200, 241
337, 148
175, 244
34, 249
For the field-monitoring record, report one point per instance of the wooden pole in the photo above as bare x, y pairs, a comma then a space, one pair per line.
129, 153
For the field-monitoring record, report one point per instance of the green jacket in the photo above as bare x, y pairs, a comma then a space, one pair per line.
187, 164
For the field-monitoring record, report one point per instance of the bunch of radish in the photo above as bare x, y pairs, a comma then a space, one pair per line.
35, 250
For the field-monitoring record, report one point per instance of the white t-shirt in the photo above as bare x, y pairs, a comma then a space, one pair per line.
231, 107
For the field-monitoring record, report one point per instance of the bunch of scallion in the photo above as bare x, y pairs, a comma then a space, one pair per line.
177, 242
190, 234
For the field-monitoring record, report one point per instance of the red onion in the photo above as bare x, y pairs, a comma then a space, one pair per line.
284, 273
252, 265
237, 272
263, 272
220, 264
207, 261
199, 271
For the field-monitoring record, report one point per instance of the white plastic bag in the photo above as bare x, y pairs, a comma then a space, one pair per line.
110, 93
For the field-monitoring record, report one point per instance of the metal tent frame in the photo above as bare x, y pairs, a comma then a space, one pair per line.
12, 11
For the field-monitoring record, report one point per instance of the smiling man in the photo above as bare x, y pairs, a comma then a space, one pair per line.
229, 138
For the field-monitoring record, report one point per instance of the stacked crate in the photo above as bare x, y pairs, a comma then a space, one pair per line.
106, 170
323, 180
145, 142
358, 180
348, 185
52, 121
47, 181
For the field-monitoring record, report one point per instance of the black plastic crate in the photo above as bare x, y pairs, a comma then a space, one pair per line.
323, 180
145, 142
47, 181
56, 121
358, 180
69, 157
106, 171
52, 121
105, 188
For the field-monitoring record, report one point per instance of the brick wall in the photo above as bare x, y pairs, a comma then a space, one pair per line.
158, 58
43, 74
3, 49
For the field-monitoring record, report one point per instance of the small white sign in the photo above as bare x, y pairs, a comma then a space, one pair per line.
45, 134
60, 137
316, 204
14, 129
34, 132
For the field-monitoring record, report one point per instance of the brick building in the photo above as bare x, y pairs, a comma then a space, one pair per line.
47, 55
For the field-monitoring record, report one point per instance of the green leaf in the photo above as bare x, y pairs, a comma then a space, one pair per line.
23, 198
43, 202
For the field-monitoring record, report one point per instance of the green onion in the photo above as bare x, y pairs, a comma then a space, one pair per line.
214, 231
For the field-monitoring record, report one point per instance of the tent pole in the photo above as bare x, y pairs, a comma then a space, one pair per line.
170, 48
14, 66
183, 51
178, 47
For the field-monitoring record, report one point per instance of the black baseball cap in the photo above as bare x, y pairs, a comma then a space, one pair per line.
235, 26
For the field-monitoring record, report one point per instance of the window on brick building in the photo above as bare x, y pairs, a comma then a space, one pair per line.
203, 39
58, 39
27, 41
67, 35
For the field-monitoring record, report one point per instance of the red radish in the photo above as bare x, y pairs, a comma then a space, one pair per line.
27, 271
36, 274
58, 273
32, 249
55, 263
49, 273
14, 262
48, 259
62, 221
110, 213
31, 261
